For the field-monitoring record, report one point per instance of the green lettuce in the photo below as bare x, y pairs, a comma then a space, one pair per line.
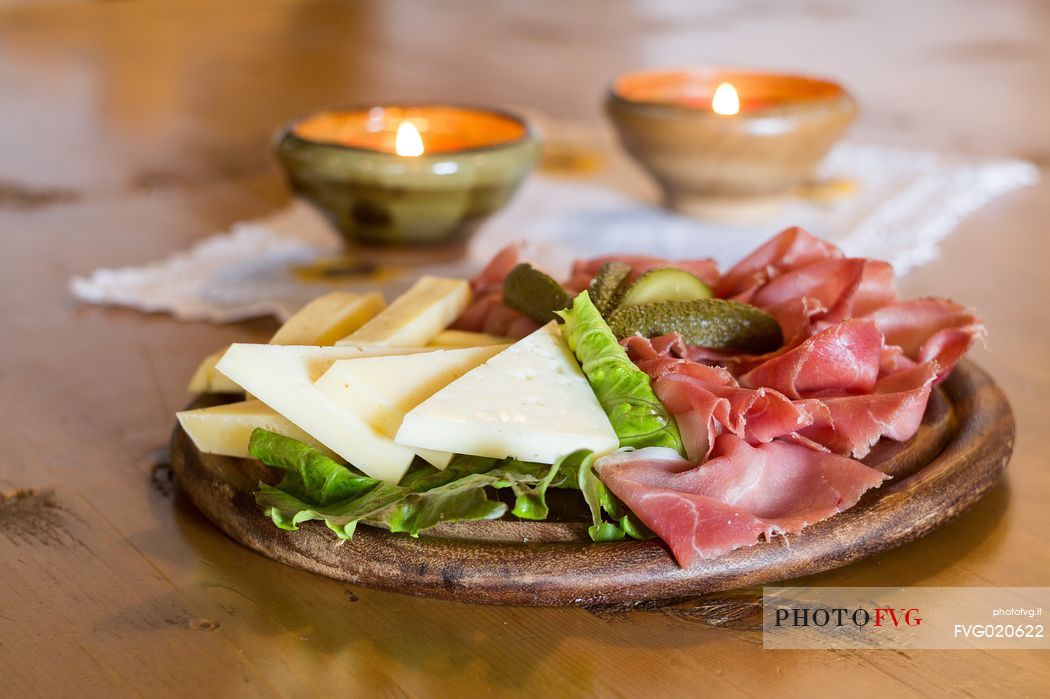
637, 415
315, 486
600, 499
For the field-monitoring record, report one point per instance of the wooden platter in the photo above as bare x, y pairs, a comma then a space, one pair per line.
959, 453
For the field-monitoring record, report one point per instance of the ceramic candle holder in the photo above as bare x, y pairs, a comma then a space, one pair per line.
407, 174
773, 130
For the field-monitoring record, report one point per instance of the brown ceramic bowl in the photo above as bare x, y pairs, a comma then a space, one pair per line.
785, 126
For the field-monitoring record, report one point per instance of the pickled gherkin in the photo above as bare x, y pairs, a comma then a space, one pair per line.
608, 286
714, 323
534, 293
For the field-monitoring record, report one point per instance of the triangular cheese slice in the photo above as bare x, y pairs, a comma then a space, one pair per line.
381, 390
283, 378
226, 429
531, 402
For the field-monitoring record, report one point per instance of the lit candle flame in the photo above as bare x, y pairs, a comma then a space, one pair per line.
408, 141
726, 100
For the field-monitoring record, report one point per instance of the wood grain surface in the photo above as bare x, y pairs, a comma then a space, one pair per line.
132, 129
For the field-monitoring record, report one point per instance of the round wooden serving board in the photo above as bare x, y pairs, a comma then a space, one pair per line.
959, 453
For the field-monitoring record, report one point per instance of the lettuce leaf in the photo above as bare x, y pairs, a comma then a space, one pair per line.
600, 499
315, 486
637, 415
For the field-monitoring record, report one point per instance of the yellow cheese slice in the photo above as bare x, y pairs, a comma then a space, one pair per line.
320, 322
226, 429
464, 338
207, 379
415, 317
328, 318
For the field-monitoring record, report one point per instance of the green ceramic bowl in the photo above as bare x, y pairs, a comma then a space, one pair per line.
343, 161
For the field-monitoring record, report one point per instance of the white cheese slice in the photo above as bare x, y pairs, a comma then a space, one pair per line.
283, 378
530, 401
381, 390
320, 322
226, 429
464, 338
415, 317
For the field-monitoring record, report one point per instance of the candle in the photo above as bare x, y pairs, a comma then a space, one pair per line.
726, 100
709, 134
407, 174
408, 141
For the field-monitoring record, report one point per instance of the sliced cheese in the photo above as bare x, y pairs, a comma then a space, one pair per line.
226, 429
530, 401
320, 322
381, 390
328, 318
415, 317
465, 338
208, 379
283, 378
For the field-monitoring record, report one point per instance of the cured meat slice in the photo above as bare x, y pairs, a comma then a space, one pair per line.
851, 425
491, 278
792, 247
930, 329
487, 313
706, 401
847, 287
841, 359
741, 494
473, 317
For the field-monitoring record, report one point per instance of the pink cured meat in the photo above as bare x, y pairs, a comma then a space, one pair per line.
491, 278
929, 329
641, 348
487, 313
791, 248
851, 425
583, 271
706, 401
474, 315
847, 287
814, 296
843, 358
742, 493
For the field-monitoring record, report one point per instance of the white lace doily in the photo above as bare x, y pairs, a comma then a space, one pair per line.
902, 205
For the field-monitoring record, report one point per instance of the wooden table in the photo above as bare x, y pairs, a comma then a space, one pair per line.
131, 129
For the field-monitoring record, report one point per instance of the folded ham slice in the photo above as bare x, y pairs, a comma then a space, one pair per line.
851, 425
929, 329
706, 402
491, 278
740, 494
789, 249
843, 358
